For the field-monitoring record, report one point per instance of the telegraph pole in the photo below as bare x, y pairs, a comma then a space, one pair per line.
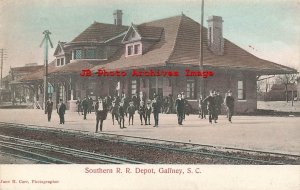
3, 56
201, 84
45, 41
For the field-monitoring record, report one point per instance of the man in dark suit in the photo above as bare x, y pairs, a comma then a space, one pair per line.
210, 102
121, 113
218, 103
114, 112
90, 104
101, 113
156, 110
85, 106
148, 111
229, 102
179, 105
49, 108
61, 110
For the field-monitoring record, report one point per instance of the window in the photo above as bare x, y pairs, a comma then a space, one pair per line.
62, 61
134, 49
62, 92
77, 54
129, 50
190, 89
90, 54
133, 87
57, 62
137, 49
241, 90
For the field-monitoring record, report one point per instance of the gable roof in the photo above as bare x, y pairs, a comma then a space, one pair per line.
99, 32
180, 45
26, 69
144, 32
149, 32
39, 74
157, 54
59, 47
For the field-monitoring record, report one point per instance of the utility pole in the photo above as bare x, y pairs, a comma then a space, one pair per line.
201, 84
3, 56
45, 41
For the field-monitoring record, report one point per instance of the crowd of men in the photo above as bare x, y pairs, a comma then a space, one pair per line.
123, 106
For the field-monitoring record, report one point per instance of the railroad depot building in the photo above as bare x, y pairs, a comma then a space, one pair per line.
169, 44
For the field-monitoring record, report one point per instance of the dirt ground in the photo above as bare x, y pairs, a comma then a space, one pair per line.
276, 134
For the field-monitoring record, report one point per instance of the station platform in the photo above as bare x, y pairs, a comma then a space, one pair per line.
273, 134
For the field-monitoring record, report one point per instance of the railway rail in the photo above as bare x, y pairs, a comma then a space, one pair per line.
28, 149
244, 156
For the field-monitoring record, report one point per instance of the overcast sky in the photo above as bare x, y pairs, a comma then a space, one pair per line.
270, 26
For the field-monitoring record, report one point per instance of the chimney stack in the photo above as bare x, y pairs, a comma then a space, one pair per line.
118, 17
215, 34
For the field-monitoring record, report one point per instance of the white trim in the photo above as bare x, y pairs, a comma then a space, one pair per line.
132, 45
242, 100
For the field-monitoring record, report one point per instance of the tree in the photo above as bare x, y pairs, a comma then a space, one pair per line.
286, 80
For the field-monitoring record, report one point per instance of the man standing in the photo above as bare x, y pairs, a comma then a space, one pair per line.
49, 108
85, 106
101, 113
202, 108
90, 104
61, 110
229, 102
218, 102
148, 111
179, 105
131, 111
114, 112
185, 105
142, 113
210, 102
121, 113
78, 103
156, 110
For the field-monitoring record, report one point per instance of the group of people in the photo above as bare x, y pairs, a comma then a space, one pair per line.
61, 110
85, 106
212, 106
121, 107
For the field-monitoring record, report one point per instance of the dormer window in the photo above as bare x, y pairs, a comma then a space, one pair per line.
129, 50
137, 48
57, 62
133, 49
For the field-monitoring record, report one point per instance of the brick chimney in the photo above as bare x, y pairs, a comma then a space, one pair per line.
215, 34
118, 17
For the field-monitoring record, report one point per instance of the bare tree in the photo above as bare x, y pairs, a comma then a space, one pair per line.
286, 80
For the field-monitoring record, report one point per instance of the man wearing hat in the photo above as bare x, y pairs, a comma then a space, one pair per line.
49, 108
131, 111
229, 102
101, 113
114, 112
121, 113
156, 110
210, 102
61, 110
142, 113
148, 111
85, 106
179, 105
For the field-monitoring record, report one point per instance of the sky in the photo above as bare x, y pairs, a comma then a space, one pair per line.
270, 27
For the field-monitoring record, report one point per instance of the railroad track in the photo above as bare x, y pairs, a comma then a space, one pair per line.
29, 149
244, 155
